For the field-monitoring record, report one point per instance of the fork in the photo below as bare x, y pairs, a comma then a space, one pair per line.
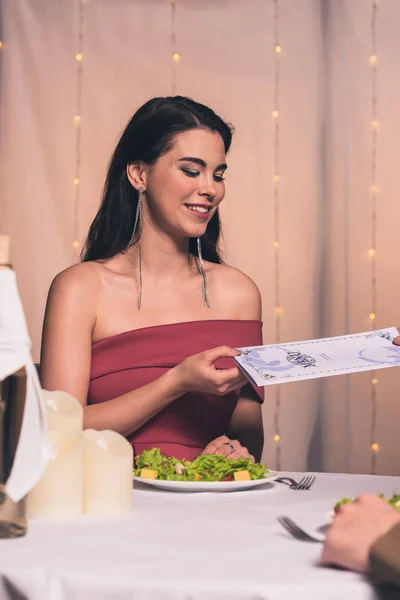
297, 532
305, 482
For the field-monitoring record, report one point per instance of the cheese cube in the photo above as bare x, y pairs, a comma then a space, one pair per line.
242, 476
197, 477
148, 474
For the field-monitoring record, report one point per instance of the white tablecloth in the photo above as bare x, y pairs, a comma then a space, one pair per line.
190, 546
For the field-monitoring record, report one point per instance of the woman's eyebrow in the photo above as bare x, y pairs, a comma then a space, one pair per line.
201, 162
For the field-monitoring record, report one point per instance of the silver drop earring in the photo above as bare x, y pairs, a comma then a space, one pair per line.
203, 275
138, 222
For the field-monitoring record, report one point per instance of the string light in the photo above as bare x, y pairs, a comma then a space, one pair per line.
373, 59
77, 120
276, 242
176, 57
1, 44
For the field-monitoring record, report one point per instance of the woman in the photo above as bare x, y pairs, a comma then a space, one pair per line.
142, 332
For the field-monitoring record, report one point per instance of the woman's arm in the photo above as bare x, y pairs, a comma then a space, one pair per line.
66, 356
246, 424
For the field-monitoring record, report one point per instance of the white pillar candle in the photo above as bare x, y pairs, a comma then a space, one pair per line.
58, 494
107, 472
64, 412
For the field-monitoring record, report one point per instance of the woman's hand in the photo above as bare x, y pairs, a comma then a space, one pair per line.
198, 373
229, 448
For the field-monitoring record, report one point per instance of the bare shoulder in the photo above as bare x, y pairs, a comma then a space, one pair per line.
74, 293
81, 278
237, 291
71, 307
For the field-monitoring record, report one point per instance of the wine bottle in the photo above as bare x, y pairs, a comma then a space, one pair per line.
13, 521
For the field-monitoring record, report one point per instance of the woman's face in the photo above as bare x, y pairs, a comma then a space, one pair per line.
185, 186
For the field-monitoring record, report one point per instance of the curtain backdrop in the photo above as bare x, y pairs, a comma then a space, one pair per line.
227, 61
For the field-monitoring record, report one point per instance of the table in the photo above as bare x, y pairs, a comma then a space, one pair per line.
190, 547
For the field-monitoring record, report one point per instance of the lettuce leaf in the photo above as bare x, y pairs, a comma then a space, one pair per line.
209, 467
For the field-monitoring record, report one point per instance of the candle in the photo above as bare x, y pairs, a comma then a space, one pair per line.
4, 249
107, 472
64, 412
59, 492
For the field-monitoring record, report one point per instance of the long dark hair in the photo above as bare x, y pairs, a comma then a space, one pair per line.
149, 134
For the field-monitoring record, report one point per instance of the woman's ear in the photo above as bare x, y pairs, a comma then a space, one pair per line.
137, 175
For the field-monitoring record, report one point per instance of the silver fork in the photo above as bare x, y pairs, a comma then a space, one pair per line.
297, 532
305, 482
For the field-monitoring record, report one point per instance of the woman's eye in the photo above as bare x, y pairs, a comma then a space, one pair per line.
190, 173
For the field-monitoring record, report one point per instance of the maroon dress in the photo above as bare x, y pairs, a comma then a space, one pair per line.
135, 358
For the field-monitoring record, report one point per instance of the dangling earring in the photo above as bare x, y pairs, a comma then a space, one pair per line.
203, 275
138, 221
140, 250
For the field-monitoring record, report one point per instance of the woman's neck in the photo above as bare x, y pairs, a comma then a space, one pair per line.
163, 257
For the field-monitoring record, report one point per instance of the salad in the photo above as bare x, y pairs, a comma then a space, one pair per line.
394, 501
151, 464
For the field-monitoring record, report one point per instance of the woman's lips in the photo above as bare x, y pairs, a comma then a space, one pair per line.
201, 211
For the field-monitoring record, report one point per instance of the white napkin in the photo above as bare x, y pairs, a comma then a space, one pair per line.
33, 450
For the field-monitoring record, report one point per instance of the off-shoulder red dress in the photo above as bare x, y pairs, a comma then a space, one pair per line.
132, 359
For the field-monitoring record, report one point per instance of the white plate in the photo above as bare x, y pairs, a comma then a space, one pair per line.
208, 486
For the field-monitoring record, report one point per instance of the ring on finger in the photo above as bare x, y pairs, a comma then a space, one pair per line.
232, 447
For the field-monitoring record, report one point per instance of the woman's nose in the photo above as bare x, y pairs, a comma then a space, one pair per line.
208, 189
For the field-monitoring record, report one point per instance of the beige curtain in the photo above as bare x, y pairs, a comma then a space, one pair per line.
226, 52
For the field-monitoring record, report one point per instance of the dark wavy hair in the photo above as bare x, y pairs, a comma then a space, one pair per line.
149, 134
